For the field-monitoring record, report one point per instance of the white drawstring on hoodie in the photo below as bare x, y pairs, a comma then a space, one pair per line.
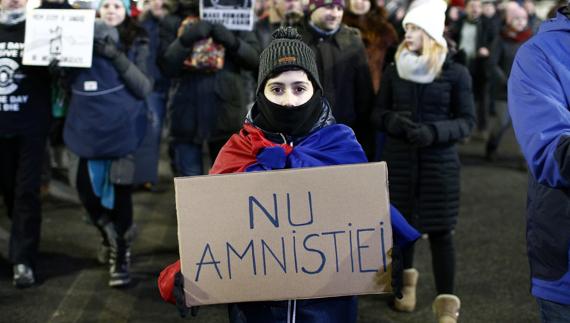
291, 316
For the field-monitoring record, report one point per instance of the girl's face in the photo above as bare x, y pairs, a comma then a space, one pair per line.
359, 7
289, 89
414, 38
112, 12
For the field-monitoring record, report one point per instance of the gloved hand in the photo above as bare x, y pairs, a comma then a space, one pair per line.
398, 125
107, 48
397, 271
421, 136
178, 293
223, 36
194, 32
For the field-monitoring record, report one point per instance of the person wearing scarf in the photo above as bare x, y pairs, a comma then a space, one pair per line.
290, 126
425, 106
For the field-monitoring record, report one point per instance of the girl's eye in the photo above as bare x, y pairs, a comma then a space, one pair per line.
300, 89
276, 90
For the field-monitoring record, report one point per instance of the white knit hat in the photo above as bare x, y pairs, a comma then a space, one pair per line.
429, 15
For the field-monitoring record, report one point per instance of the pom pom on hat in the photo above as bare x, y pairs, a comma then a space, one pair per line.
429, 15
287, 50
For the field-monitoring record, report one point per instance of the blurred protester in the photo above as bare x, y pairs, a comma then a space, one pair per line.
377, 34
25, 114
380, 39
343, 67
503, 50
105, 125
396, 9
207, 100
425, 106
55, 150
293, 120
534, 20
281, 13
491, 18
474, 41
148, 154
539, 92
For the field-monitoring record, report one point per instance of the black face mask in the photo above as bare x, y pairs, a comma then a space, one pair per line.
294, 121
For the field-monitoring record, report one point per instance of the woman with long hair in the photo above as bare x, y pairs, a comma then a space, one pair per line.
425, 106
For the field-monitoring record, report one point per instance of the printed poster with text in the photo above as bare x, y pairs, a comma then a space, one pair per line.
65, 35
233, 14
286, 234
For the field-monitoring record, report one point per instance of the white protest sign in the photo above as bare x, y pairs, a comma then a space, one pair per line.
66, 35
233, 14
288, 234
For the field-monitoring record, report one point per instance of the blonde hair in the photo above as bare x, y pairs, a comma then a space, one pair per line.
431, 50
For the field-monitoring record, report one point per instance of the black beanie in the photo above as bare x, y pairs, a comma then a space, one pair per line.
287, 50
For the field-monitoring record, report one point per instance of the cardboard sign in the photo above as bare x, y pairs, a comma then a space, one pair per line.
66, 35
287, 234
233, 14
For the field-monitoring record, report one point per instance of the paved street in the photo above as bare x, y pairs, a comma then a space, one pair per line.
492, 276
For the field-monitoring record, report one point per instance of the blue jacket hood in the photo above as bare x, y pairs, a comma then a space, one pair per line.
558, 23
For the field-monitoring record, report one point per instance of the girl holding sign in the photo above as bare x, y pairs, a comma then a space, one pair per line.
425, 105
290, 126
105, 124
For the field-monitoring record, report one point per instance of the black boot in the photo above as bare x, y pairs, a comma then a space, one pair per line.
119, 256
119, 261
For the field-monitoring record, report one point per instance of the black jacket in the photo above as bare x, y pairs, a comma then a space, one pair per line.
424, 182
25, 91
345, 76
205, 106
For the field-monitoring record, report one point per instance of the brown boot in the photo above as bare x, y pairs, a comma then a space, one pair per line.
408, 302
446, 308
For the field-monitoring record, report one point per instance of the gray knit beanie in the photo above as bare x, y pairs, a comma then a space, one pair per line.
287, 50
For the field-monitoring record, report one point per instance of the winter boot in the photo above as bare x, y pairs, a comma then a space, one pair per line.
105, 249
446, 308
119, 262
119, 255
408, 301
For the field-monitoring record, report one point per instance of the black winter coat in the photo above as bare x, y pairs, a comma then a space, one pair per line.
424, 182
345, 76
205, 106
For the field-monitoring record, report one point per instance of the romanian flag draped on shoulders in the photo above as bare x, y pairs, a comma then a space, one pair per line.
250, 150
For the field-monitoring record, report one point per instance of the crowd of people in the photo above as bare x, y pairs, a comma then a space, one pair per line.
392, 80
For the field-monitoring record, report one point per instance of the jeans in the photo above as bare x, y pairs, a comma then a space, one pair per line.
551, 312
186, 157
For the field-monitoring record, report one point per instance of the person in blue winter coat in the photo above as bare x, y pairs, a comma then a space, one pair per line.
290, 126
104, 126
539, 104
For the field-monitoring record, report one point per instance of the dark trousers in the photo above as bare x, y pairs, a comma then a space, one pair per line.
122, 213
21, 160
443, 260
